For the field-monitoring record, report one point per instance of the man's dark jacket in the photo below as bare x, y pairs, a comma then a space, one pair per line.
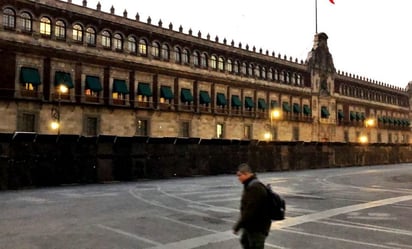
254, 213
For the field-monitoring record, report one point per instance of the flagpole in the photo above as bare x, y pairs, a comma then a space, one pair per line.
316, 16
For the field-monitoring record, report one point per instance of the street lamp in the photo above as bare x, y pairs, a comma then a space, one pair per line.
275, 114
369, 123
55, 125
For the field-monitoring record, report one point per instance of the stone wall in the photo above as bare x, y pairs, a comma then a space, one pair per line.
32, 160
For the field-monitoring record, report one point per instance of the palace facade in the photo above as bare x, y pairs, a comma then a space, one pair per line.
126, 77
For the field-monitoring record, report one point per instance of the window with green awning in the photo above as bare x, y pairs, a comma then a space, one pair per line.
262, 104
204, 97
30, 75
296, 108
352, 116
120, 86
324, 112
186, 95
93, 83
249, 102
340, 114
144, 89
285, 107
306, 110
166, 92
221, 99
273, 104
63, 78
236, 101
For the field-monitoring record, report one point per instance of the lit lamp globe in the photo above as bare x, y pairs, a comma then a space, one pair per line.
54, 125
363, 139
267, 136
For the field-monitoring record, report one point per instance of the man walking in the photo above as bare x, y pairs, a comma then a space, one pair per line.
254, 214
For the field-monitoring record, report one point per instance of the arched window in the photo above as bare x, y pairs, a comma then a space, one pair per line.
155, 50
250, 69
165, 52
244, 68
132, 44
60, 30
257, 71
270, 74
186, 56
106, 39
143, 47
229, 65
45, 26
91, 36
203, 60
178, 55
78, 33
26, 22
221, 64
9, 18
196, 59
263, 74
118, 42
213, 62
236, 67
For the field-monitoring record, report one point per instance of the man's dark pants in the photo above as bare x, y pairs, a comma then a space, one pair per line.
252, 240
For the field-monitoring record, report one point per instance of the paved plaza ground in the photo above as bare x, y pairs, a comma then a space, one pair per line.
356, 207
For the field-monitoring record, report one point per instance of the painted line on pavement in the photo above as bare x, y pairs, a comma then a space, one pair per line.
293, 221
129, 235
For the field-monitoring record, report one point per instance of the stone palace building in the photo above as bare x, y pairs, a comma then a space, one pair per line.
127, 77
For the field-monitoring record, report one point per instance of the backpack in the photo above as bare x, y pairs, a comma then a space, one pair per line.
276, 204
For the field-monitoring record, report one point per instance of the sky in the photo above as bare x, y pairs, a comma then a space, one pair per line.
368, 38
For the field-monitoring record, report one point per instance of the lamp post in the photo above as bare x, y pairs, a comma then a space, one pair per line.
55, 125
275, 114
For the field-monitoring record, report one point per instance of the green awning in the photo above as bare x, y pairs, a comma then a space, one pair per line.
221, 99
390, 120
380, 119
93, 83
166, 92
296, 108
362, 116
29, 75
407, 122
63, 78
285, 107
204, 97
273, 104
352, 116
358, 116
262, 104
144, 89
306, 110
340, 114
186, 95
249, 102
236, 101
385, 120
120, 86
324, 112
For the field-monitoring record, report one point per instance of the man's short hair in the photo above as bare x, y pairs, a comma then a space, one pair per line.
244, 168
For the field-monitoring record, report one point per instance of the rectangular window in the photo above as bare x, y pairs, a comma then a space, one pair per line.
220, 131
346, 136
247, 132
91, 126
27, 122
185, 129
295, 134
389, 138
379, 138
142, 127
